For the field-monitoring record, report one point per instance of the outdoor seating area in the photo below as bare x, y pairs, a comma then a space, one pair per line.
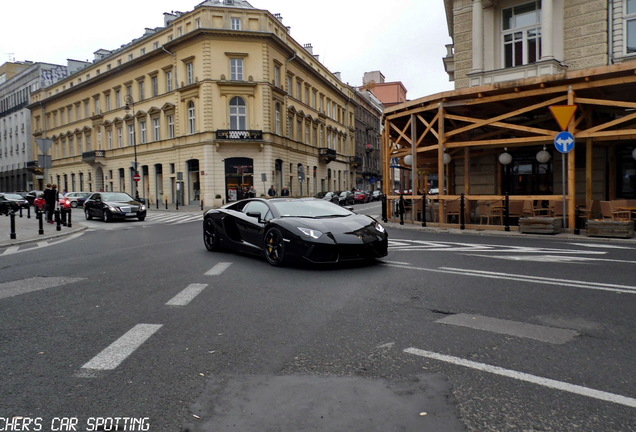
499, 213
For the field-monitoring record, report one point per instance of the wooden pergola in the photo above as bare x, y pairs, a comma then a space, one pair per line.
478, 121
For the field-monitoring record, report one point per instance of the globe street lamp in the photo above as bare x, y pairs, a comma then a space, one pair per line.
130, 105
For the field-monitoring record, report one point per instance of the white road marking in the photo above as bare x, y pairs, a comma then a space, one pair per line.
602, 246
218, 269
627, 289
187, 295
118, 351
512, 328
24, 286
521, 376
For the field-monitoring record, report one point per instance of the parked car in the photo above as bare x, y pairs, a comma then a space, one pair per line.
328, 196
361, 196
77, 198
22, 203
65, 203
346, 198
377, 195
7, 205
32, 195
108, 206
304, 229
39, 202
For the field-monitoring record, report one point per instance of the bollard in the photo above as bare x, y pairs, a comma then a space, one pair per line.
40, 217
385, 217
177, 205
201, 205
424, 210
20, 211
166, 203
507, 212
157, 204
462, 212
401, 209
68, 221
58, 221
12, 217
63, 212
29, 212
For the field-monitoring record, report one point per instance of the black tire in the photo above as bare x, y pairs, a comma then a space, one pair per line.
141, 218
74, 204
106, 217
210, 235
275, 247
88, 216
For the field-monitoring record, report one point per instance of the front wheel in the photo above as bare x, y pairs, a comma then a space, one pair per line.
106, 217
275, 247
210, 237
87, 214
74, 204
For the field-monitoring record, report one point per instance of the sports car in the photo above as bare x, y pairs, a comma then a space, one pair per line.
300, 229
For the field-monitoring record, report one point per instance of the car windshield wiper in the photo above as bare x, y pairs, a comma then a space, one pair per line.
298, 216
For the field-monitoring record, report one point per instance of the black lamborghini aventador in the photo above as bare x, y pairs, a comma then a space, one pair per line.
284, 230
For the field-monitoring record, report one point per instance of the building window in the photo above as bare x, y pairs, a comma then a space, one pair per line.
277, 76
521, 34
278, 126
107, 97
236, 24
155, 86
120, 137
290, 88
170, 126
236, 69
630, 25
190, 73
109, 139
191, 118
143, 133
169, 81
238, 114
156, 129
131, 134
142, 90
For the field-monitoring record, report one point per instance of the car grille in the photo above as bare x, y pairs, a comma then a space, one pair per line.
129, 209
331, 253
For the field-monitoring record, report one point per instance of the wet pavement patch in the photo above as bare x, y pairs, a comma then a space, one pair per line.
324, 403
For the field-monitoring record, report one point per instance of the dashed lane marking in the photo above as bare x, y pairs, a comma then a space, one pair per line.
551, 335
218, 269
114, 354
187, 295
25, 286
521, 376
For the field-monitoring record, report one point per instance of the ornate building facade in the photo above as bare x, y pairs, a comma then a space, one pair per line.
217, 100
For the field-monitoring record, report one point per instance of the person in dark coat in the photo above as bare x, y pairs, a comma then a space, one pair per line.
284, 191
50, 195
271, 192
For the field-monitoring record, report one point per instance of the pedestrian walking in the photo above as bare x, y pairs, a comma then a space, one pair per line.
271, 192
50, 197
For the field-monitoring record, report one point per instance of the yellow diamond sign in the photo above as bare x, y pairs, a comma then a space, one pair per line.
563, 114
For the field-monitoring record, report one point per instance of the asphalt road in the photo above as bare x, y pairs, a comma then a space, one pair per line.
138, 325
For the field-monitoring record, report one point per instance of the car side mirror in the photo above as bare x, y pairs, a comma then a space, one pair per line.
256, 215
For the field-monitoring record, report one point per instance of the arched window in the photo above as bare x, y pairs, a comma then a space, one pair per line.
191, 117
238, 114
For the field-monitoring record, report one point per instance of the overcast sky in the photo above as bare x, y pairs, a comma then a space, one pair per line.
404, 39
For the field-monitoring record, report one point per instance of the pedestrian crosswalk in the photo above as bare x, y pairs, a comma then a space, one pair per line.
174, 218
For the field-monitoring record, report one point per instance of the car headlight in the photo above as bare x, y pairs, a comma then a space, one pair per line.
142, 207
310, 232
379, 227
114, 209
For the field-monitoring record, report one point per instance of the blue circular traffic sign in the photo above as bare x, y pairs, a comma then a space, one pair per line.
564, 142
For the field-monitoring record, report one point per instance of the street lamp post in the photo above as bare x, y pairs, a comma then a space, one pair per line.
130, 105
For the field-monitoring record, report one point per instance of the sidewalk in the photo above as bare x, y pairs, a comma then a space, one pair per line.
27, 229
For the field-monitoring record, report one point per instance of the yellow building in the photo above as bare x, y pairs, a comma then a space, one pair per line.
217, 100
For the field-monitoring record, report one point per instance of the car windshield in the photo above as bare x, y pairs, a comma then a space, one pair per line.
13, 196
310, 208
116, 196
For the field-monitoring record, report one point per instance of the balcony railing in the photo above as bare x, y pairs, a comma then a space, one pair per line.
91, 157
355, 161
228, 134
326, 154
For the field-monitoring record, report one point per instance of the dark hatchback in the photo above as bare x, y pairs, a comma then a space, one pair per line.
7, 205
109, 206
